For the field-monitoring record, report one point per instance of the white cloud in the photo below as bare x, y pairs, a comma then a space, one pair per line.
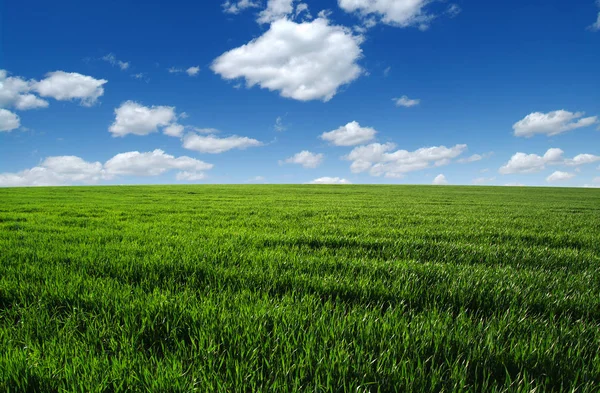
379, 159
152, 163
29, 101
582, 159
174, 129
205, 130
190, 176
515, 185
400, 13
304, 61
235, 7
330, 180
475, 158
453, 10
174, 70
483, 180
133, 118
55, 171
552, 123
349, 135
559, 176
112, 59
8, 120
531, 163
193, 71
276, 9
406, 102
279, 126
596, 25
214, 145
306, 159
63, 170
15, 92
66, 86
300, 8
440, 180
257, 179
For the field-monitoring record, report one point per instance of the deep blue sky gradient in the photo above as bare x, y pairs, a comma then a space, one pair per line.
476, 75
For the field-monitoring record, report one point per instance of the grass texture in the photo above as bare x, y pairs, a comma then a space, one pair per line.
299, 289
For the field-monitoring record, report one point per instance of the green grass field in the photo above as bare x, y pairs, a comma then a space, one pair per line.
299, 288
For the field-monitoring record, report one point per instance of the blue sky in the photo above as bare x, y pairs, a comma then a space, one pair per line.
296, 91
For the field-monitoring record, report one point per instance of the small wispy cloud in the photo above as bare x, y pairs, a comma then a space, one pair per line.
112, 59
406, 102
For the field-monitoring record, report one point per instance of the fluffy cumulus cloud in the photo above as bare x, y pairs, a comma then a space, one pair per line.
400, 13
235, 7
330, 180
215, 145
306, 159
62, 170
193, 71
15, 93
8, 120
303, 61
278, 9
56, 171
440, 180
531, 163
552, 123
152, 163
559, 176
380, 159
582, 159
349, 135
67, 86
406, 102
174, 129
134, 118
19, 93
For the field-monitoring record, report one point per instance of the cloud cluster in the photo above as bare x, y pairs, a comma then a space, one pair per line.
330, 180
62, 170
552, 123
215, 145
303, 61
349, 135
20, 94
279, 9
380, 159
235, 7
305, 158
533, 163
15, 92
400, 13
559, 176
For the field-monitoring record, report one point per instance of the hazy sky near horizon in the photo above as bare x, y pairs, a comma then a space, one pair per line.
299, 91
